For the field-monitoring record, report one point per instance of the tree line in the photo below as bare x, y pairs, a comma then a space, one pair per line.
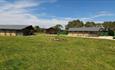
78, 23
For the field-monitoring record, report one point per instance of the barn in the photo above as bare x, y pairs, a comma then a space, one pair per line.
16, 30
85, 31
51, 31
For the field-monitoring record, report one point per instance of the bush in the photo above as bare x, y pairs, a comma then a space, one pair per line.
63, 32
113, 37
111, 32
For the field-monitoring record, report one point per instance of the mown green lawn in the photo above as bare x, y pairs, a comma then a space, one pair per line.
47, 53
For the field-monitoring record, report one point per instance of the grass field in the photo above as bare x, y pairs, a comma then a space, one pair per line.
47, 53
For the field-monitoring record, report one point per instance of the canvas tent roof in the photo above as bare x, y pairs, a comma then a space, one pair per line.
16, 27
85, 29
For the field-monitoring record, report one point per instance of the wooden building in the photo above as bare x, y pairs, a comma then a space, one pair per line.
51, 31
85, 31
16, 30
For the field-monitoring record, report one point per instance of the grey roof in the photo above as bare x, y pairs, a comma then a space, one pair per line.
85, 29
16, 27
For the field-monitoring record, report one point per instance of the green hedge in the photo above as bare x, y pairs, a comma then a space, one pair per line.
63, 32
104, 34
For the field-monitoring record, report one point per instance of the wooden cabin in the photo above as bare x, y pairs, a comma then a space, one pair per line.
16, 30
51, 31
85, 31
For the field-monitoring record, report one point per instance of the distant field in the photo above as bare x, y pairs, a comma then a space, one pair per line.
56, 53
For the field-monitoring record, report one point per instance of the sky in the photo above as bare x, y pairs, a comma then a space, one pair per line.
47, 13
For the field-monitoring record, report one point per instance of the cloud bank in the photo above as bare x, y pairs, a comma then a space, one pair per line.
17, 13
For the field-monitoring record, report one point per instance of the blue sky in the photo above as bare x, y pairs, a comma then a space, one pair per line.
81, 8
46, 13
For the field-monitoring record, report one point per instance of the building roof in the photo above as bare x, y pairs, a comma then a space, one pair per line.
85, 29
16, 27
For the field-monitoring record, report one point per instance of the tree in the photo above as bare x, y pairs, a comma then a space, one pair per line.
37, 28
74, 24
110, 25
99, 25
110, 32
58, 27
90, 24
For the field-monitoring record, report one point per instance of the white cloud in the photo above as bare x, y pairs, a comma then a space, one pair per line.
16, 13
99, 14
17, 19
17, 6
46, 22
